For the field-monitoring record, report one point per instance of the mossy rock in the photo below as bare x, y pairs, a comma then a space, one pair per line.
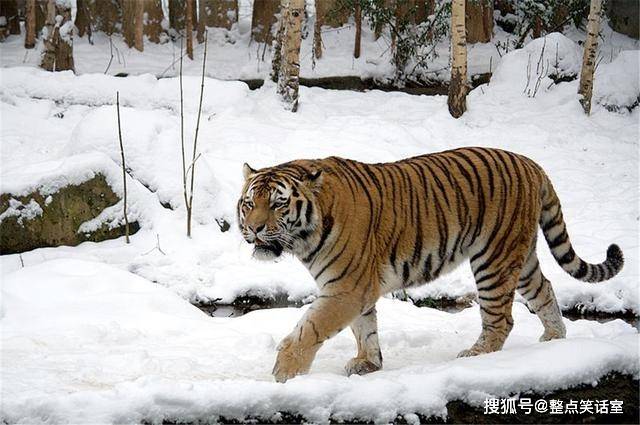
56, 218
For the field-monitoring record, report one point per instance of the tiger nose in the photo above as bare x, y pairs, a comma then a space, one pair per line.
256, 229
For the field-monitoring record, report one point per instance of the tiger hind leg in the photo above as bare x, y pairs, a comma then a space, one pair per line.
369, 357
536, 289
496, 280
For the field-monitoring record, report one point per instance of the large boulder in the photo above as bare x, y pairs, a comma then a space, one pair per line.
65, 202
36, 220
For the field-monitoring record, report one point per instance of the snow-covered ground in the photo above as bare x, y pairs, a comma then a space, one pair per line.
54, 122
85, 342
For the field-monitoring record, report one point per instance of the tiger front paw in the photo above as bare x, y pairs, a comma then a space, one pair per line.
292, 360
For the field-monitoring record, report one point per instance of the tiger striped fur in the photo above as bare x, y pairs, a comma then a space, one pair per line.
363, 230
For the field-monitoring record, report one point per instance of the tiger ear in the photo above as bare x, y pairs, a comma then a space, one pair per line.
247, 171
315, 177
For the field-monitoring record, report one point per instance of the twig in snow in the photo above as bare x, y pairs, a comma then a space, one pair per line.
21, 260
156, 247
124, 171
195, 138
111, 52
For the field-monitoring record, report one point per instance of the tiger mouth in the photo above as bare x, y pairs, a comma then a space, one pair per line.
274, 248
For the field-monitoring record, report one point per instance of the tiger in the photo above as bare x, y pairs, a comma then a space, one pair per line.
364, 230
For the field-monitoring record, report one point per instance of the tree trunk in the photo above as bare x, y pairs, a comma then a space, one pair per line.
108, 15
202, 21
479, 21
30, 24
129, 21
189, 28
276, 60
358, 19
224, 14
138, 39
263, 19
585, 89
58, 45
457, 100
153, 24
288, 80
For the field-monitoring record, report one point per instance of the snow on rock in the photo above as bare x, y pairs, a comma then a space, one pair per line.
617, 84
84, 342
49, 177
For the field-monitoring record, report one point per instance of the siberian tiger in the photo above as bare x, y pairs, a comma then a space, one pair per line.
363, 230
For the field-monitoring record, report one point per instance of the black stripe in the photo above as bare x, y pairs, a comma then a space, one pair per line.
327, 225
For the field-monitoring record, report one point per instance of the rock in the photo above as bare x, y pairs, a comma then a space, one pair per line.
37, 220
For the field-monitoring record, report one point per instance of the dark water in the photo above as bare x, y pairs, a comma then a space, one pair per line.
246, 305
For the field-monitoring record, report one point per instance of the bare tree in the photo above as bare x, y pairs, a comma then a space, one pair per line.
124, 171
358, 19
585, 89
139, 26
189, 27
202, 21
30, 24
457, 100
288, 77
188, 192
128, 21
58, 44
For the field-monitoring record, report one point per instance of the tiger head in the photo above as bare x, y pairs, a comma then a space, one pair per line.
277, 211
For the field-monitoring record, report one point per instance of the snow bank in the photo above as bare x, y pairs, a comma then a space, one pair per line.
49, 177
143, 91
617, 84
84, 342
530, 69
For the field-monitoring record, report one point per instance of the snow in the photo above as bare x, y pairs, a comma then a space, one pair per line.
24, 212
86, 342
53, 123
617, 84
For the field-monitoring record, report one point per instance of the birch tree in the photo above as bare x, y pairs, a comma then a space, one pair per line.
457, 100
585, 89
288, 77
